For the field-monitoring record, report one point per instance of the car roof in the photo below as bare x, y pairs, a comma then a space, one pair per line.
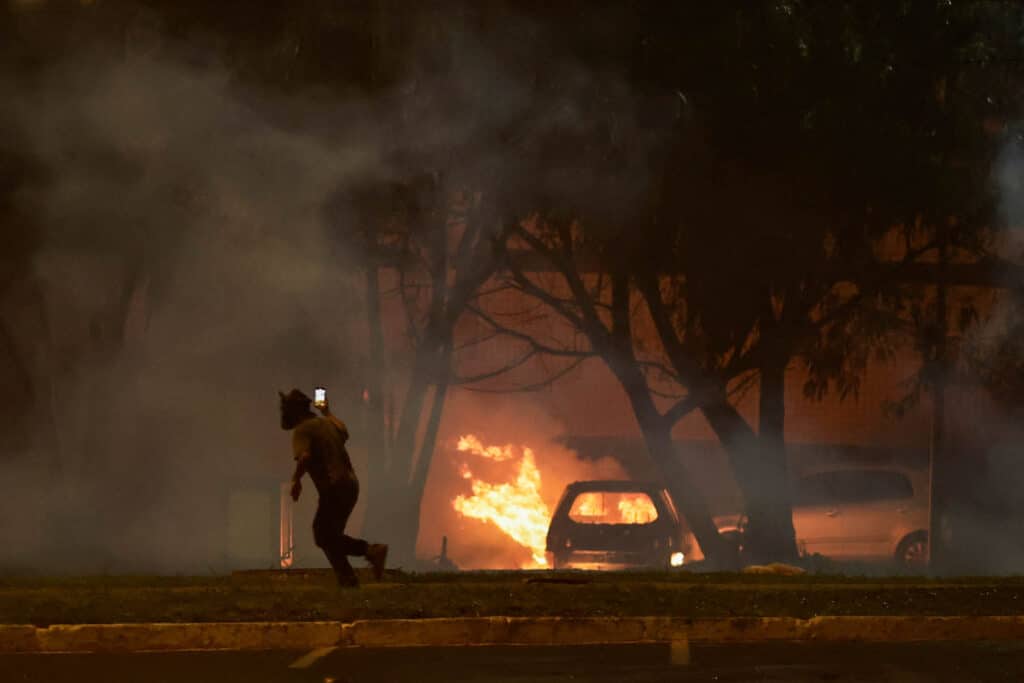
614, 485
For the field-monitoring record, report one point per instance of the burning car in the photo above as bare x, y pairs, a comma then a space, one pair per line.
616, 525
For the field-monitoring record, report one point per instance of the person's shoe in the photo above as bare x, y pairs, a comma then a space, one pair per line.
377, 555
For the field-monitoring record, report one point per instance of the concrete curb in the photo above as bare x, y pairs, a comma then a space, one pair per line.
614, 630
297, 635
498, 631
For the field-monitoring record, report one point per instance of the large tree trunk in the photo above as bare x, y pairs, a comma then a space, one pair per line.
617, 352
689, 501
378, 485
395, 515
760, 472
409, 529
394, 507
411, 414
775, 540
426, 455
937, 465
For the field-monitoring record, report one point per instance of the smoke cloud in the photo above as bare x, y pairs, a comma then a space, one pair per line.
191, 261
187, 259
186, 273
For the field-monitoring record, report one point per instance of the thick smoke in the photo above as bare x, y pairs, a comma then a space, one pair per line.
987, 516
187, 270
187, 267
186, 273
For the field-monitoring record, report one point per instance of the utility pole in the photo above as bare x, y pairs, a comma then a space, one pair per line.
937, 452
936, 455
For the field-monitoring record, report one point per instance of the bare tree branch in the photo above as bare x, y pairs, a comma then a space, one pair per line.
681, 409
491, 374
742, 387
663, 370
530, 310
688, 371
555, 303
530, 340
537, 386
673, 396
587, 321
498, 289
477, 341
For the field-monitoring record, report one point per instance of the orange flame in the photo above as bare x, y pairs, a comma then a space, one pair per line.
588, 505
631, 508
637, 510
472, 444
516, 508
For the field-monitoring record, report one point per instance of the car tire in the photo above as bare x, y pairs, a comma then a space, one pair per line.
912, 551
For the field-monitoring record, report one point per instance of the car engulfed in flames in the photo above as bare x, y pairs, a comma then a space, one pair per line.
616, 525
601, 521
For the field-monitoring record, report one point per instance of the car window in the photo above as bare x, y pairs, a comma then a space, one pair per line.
881, 485
613, 507
815, 490
853, 486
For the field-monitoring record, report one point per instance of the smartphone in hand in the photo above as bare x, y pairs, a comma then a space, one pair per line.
320, 397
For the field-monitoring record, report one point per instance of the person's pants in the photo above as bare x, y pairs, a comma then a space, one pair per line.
332, 513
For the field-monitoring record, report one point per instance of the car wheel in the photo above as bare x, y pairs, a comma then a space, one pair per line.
912, 552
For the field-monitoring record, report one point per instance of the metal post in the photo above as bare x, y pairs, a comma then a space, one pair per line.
286, 542
937, 452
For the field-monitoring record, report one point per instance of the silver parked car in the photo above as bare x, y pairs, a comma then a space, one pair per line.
856, 513
863, 513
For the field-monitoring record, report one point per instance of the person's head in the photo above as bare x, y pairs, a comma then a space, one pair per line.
294, 408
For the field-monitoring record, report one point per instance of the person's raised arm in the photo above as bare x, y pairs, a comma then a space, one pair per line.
325, 410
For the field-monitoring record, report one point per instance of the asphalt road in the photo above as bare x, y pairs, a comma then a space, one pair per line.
600, 664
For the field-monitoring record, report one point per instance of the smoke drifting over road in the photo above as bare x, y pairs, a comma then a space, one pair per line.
178, 242
188, 261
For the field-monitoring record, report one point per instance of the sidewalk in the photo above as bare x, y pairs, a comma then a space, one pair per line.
469, 631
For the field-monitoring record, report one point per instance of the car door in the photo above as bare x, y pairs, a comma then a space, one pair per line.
817, 518
874, 503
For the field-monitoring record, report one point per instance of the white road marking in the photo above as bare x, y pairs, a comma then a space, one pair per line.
310, 658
